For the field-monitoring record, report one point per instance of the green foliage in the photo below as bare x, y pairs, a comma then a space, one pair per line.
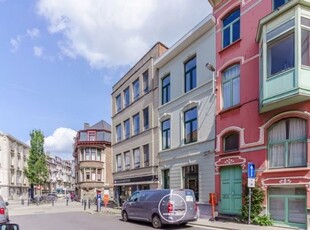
257, 199
37, 171
262, 220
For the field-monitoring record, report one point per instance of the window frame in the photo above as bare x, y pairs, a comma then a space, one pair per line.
118, 129
146, 118
146, 152
191, 123
119, 160
225, 142
127, 125
118, 101
127, 158
165, 90
136, 122
190, 75
230, 27
145, 77
137, 164
231, 84
136, 89
166, 134
126, 97
285, 142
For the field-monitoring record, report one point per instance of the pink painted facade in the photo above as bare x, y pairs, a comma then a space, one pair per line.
287, 192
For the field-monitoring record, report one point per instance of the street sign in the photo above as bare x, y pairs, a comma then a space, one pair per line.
251, 182
251, 170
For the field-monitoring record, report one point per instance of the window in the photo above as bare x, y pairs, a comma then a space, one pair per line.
136, 89
190, 124
146, 118
118, 103
100, 136
287, 145
136, 124
119, 162
305, 40
146, 81
118, 133
146, 155
278, 3
191, 179
126, 97
231, 28
190, 74
231, 142
127, 128
99, 175
136, 157
165, 127
127, 160
281, 55
231, 86
92, 136
93, 154
165, 91
166, 178
87, 154
98, 155
83, 136
288, 205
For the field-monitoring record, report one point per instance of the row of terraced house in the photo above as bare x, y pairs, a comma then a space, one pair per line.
233, 90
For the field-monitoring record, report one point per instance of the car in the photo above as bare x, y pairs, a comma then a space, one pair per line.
9, 227
52, 196
161, 206
4, 213
110, 204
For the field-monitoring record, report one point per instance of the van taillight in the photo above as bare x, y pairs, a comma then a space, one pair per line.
2, 211
170, 207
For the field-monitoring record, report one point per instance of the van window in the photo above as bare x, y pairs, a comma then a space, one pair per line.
134, 197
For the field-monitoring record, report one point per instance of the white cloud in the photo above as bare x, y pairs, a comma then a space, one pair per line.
114, 33
16, 42
33, 33
38, 51
60, 143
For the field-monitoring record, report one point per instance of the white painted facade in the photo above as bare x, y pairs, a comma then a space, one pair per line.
13, 160
198, 43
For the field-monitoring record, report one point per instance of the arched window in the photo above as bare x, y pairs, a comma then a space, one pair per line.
231, 28
287, 143
231, 142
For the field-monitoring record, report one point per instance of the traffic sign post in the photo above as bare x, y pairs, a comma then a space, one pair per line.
251, 184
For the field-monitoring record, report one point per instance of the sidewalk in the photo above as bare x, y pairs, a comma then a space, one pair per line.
205, 222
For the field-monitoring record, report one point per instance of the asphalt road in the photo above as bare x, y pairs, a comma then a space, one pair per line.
82, 221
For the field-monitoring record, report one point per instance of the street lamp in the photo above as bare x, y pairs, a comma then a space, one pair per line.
210, 67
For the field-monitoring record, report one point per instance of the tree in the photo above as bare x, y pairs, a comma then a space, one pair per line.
37, 171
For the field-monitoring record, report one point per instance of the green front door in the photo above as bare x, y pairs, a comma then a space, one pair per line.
231, 190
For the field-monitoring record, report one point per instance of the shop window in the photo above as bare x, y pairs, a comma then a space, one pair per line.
287, 143
191, 179
231, 28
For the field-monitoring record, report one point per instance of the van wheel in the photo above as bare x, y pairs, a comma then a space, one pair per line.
156, 222
125, 216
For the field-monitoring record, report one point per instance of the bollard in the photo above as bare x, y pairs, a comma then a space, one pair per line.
88, 203
67, 201
28, 202
22, 200
84, 204
52, 202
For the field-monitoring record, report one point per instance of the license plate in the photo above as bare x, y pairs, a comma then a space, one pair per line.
189, 198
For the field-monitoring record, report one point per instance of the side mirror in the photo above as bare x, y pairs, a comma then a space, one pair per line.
9, 227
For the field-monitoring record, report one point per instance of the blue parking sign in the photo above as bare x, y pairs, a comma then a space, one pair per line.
251, 170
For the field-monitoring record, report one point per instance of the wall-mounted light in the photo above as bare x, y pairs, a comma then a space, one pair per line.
210, 67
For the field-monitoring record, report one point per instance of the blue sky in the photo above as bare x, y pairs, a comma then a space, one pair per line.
60, 59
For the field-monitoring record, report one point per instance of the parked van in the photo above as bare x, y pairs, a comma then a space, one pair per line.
162, 206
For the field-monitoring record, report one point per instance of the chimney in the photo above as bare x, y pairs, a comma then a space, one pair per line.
86, 125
